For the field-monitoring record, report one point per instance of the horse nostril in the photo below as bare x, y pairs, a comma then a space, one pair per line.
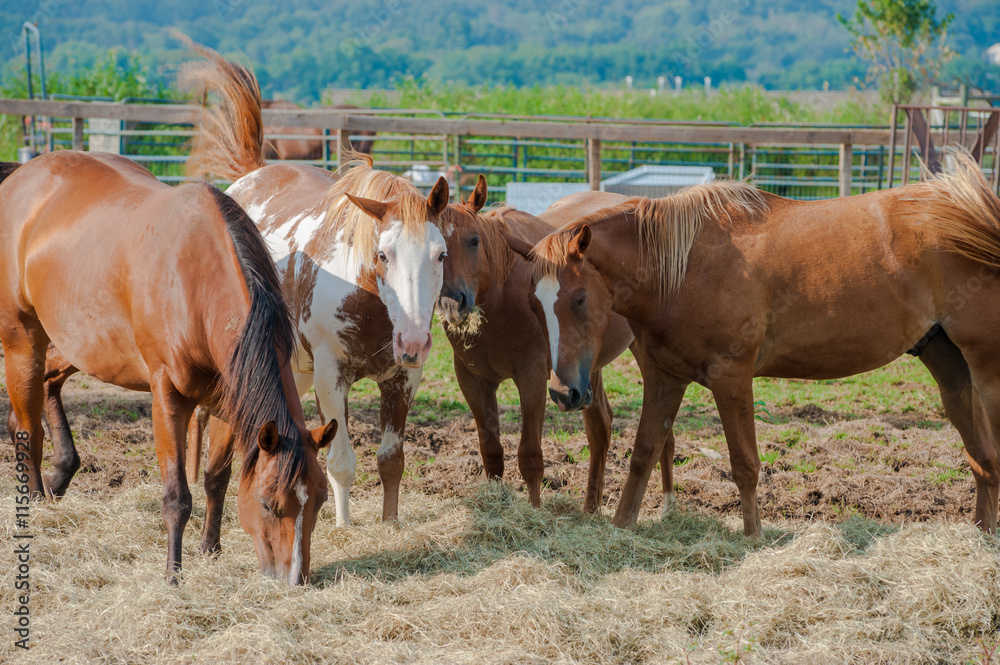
574, 396
461, 301
554, 395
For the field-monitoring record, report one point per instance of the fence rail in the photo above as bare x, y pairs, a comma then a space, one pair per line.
798, 161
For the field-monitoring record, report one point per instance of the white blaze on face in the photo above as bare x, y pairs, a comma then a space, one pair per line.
296, 570
412, 283
547, 292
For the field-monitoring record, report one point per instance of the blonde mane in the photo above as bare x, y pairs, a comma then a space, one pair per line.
667, 228
492, 224
352, 225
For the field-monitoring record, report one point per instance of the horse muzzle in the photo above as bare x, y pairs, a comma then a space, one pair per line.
456, 306
572, 398
411, 351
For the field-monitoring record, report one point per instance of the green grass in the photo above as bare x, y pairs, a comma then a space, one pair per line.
805, 467
770, 457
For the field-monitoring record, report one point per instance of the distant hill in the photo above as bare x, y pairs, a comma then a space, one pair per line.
301, 47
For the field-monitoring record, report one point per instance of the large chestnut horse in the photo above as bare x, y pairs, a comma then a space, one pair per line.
723, 283
168, 290
495, 330
362, 262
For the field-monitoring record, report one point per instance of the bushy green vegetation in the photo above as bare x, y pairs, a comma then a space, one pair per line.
303, 47
743, 104
116, 75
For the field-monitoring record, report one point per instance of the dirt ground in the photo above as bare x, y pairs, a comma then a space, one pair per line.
815, 464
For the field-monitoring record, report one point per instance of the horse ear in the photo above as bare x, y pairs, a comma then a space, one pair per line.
517, 245
478, 197
322, 436
437, 200
578, 244
268, 438
376, 209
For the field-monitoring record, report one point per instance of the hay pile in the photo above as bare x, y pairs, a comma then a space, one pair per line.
487, 579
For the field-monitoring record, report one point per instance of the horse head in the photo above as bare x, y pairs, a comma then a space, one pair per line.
277, 505
468, 266
409, 268
575, 310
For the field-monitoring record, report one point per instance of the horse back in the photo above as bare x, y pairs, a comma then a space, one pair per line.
116, 266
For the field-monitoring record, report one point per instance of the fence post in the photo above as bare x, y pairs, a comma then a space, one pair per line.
594, 163
846, 164
77, 133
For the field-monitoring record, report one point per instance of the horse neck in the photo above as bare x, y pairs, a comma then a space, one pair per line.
506, 265
616, 253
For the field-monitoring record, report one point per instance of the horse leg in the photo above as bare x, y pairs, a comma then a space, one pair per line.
734, 398
971, 399
662, 394
171, 413
481, 396
66, 461
218, 471
397, 394
667, 470
531, 391
24, 358
195, 435
597, 423
331, 399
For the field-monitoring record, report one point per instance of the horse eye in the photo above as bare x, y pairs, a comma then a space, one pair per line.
580, 299
474, 242
442, 257
382, 257
266, 505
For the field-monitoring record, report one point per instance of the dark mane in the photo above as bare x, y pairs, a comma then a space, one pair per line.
251, 385
6, 168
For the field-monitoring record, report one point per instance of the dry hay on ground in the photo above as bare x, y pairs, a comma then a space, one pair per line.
488, 579
472, 574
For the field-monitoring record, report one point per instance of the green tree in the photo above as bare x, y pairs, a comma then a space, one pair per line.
904, 41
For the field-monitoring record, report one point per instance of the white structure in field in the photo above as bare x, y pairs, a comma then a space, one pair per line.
993, 54
650, 180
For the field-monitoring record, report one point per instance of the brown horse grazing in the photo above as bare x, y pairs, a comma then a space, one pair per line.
167, 290
722, 283
497, 334
305, 149
361, 258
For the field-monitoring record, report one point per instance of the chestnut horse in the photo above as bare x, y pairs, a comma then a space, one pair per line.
304, 149
361, 259
167, 290
722, 283
496, 333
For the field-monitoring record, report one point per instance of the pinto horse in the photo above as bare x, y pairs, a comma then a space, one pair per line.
722, 283
361, 258
167, 290
497, 333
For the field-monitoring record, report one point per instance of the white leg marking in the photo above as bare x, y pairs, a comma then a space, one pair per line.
341, 460
668, 503
547, 292
390, 444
